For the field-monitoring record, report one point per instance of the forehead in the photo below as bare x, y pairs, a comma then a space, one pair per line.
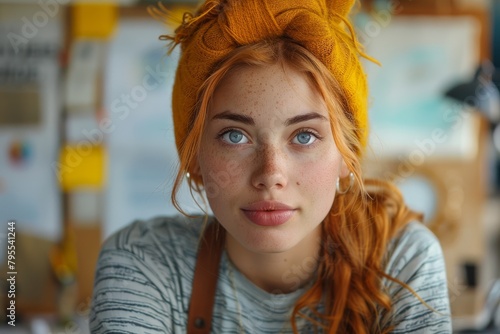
248, 87
268, 75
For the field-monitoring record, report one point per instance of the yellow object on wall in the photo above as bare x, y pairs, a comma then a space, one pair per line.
81, 166
94, 19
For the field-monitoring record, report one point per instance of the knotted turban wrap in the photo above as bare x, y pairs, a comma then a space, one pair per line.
221, 26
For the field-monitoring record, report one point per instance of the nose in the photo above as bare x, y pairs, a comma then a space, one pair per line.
270, 171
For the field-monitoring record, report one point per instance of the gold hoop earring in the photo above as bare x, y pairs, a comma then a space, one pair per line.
351, 183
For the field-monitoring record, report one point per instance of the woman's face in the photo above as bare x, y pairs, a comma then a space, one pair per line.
267, 158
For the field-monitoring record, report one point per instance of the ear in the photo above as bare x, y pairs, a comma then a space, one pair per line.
344, 171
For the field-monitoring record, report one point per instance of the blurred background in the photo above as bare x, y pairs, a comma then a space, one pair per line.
87, 145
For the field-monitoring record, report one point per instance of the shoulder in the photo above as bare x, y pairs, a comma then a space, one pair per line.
175, 234
154, 248
415, 258
143, 276
412, 247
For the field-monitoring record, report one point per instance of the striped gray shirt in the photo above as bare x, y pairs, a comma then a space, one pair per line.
145, 271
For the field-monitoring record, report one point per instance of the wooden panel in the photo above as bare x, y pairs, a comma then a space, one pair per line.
460, 186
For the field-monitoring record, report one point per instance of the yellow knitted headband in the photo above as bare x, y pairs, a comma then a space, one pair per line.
220, 26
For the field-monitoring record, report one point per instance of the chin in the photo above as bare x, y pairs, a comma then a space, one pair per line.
270, 242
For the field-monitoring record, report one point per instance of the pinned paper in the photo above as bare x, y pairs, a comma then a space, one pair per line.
86, 61
94, 20
30, 107
81, 166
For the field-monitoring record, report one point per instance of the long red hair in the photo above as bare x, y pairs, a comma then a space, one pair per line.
360, 224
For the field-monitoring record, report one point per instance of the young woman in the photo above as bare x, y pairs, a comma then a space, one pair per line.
270, 110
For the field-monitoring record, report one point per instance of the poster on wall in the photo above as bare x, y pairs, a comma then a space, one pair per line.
421, 57
140, 141
29, 125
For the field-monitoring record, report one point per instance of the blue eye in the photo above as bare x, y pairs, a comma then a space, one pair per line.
304, 138
234, 137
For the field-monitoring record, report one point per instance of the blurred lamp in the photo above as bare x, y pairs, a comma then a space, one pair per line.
482, 93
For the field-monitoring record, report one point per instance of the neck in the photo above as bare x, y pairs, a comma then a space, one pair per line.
282, 272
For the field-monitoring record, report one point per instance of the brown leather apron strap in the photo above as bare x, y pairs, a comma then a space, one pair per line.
205, 280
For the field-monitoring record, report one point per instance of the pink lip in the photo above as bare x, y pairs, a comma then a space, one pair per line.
268, 213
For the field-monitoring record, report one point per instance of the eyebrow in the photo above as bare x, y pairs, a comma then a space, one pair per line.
249, 120
305, 117
235, 117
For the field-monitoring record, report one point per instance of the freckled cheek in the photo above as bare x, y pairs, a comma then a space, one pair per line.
221, 170
317, 175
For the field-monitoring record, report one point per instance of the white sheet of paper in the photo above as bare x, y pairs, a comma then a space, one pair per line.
421, 58
142, 153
